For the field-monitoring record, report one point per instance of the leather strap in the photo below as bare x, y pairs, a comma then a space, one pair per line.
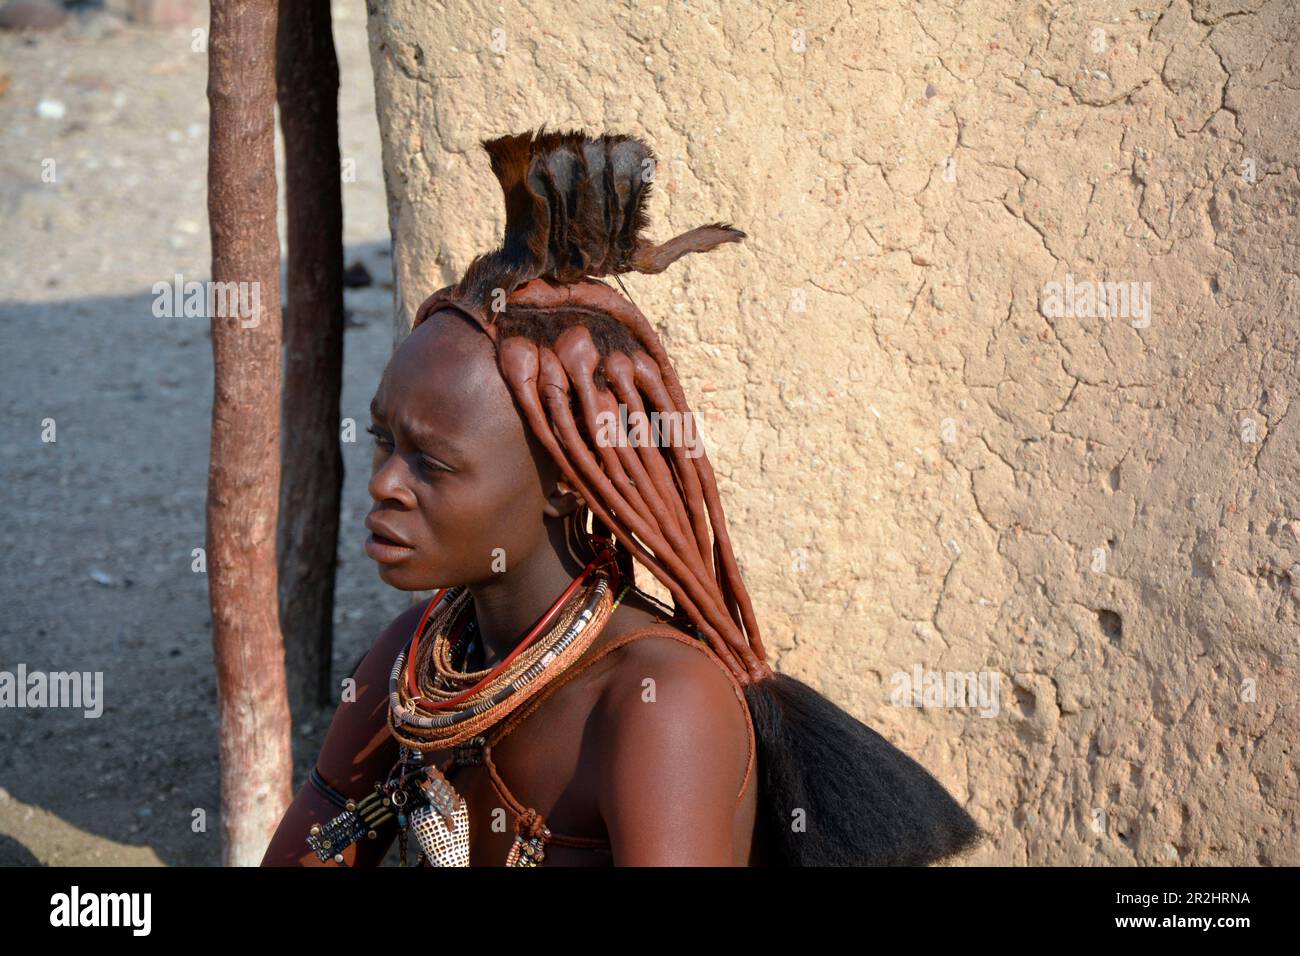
328, 792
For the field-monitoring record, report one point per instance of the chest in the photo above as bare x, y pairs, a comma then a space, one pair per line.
545, 762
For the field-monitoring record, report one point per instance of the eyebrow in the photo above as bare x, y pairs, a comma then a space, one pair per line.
423, 436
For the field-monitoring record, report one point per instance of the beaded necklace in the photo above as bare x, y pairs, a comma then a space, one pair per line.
434, 704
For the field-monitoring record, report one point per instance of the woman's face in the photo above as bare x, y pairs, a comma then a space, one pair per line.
459, 484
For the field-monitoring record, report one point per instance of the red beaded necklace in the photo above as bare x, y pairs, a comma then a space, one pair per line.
605, 557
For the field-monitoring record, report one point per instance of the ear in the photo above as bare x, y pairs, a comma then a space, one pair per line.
563, 500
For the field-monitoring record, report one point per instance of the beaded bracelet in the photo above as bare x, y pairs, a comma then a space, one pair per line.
360, 819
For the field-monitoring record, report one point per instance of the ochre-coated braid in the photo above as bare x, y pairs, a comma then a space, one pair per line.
662, 504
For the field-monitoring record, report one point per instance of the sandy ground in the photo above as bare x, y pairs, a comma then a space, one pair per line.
95, 546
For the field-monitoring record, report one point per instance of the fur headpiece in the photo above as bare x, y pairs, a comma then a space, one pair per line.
575, 209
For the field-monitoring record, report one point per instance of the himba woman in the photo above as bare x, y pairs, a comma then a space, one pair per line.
540, 707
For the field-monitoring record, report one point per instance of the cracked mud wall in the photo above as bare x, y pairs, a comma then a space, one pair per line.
951, 436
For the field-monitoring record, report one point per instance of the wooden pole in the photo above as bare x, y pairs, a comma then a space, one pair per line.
244, 472
307, 80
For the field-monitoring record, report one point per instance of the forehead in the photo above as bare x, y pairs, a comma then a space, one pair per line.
443, 381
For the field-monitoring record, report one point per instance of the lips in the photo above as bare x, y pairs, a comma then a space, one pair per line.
384, 544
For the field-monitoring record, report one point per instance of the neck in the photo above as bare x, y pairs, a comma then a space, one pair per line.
508, 605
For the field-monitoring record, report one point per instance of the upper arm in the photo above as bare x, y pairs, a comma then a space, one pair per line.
358, 747
358, 750
673, 754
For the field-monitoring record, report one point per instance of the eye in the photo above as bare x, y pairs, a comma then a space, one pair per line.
381, 440
432, 467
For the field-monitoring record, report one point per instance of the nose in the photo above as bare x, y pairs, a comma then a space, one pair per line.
391, 482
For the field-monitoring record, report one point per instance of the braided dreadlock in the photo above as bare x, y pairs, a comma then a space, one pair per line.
580, 358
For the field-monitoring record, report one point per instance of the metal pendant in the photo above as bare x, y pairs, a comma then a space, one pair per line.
441, 822
527, 851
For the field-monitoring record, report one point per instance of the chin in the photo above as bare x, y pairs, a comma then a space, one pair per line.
405, 577
402, 578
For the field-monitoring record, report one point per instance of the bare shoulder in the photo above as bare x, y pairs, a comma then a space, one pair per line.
358, 745
393, 638
673, 693
673, 754
678, 655
372, 673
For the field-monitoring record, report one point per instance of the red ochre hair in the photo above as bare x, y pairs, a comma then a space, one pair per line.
575, 208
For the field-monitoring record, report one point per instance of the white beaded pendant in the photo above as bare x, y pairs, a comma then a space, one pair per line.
441, 846
441, 823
